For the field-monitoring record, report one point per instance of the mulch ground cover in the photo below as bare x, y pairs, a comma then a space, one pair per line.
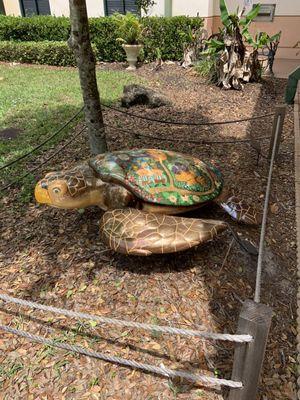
57, 258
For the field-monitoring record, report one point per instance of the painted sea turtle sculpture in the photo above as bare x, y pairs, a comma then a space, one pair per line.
141, 191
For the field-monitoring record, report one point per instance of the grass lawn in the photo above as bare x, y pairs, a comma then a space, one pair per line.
38, 100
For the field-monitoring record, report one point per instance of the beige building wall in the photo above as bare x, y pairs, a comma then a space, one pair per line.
59, 8
12, 7
158, 9
192, 8
95, 8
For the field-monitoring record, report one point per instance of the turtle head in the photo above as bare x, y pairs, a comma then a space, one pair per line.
75, 188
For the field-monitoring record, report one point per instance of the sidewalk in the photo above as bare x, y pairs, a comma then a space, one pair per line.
283, 67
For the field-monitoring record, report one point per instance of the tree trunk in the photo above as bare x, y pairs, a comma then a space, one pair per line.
79, 42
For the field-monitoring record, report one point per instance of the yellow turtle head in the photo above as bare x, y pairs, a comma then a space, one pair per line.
75, 188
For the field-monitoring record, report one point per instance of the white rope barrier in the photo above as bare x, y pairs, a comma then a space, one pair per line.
129, 324
170, 373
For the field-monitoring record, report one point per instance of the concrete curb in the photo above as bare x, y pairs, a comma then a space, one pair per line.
297, 192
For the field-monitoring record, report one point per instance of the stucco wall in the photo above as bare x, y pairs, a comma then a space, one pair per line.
158, 9
283, 7
210, 8
59, 8
95, 8
181, 7
192, 7
12, 7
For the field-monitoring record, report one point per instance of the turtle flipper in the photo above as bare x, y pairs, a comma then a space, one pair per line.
239, 210
135, 232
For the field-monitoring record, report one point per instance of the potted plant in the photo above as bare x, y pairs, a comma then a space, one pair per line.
129, 31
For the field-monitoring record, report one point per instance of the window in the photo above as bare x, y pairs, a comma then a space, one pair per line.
266, 12
34, 7
120, 6
2, 10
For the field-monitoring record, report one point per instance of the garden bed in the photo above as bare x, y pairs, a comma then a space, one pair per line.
56, 257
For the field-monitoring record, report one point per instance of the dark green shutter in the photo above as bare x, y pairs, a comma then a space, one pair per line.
2, 10
120, 6
35, 7
29, 7
43, 7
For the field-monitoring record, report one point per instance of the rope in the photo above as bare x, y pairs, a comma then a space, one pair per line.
130, 324
43, 143
170, 373
137, 134
187, 123
265, 214
43, 163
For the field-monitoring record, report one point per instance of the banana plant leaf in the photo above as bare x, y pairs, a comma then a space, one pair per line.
276, 37
224, 14
250, 16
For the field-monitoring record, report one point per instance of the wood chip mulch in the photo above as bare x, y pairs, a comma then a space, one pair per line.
56, 257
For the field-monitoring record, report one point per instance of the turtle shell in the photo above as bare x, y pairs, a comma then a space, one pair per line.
160, 176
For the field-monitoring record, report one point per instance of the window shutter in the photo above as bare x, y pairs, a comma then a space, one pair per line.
29, 7
37, 7
114, 6
43, 7
2, 11
130, 6
121, 6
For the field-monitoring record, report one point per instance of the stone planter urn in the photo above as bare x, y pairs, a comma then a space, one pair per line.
132, 51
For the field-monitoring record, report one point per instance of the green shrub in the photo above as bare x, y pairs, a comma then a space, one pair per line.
206, 67
34, 29
46, 52
167, 34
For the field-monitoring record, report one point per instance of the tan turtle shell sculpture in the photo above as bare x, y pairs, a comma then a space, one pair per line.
141, 192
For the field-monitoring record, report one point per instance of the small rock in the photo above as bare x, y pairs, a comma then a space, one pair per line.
136, 94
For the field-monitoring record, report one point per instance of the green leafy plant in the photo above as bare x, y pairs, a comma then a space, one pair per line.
129, 28
234, 64
167, 33
235, 20
213, 46
261, 39
206, 67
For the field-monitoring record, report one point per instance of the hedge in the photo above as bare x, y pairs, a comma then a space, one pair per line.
46, 52
167, 34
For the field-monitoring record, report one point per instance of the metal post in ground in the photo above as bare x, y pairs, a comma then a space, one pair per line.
255, 320
277, 126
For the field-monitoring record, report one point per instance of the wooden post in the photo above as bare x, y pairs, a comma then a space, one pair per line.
277, 125
254, 320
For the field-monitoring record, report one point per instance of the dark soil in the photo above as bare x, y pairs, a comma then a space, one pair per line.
56, 257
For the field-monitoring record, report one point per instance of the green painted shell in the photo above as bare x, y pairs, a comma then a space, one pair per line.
161, 177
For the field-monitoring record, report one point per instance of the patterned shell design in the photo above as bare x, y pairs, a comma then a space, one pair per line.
160, 176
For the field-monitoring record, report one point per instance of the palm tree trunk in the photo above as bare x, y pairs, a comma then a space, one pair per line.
79, 42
